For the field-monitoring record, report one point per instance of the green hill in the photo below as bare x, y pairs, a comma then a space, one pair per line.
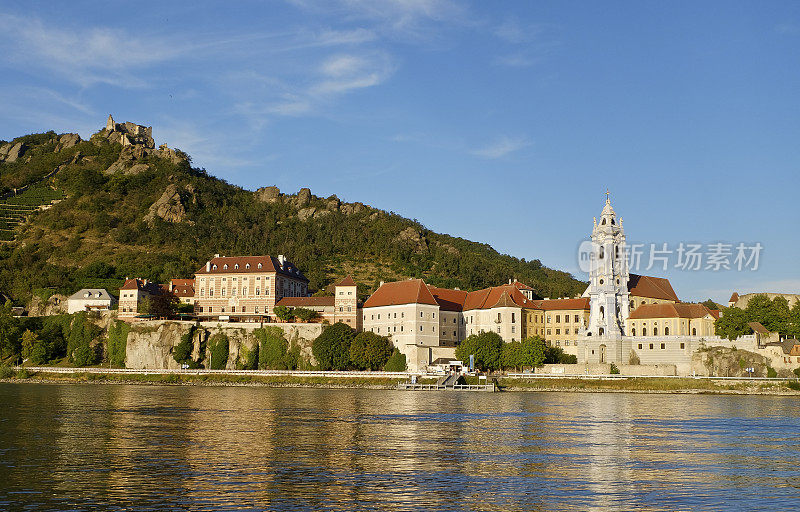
95, 212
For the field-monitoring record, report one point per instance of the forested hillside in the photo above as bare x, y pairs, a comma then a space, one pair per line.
135, 211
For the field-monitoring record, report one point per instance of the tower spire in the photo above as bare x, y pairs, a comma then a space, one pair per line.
608, 200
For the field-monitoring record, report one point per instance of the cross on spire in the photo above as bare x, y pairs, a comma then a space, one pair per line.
607, 194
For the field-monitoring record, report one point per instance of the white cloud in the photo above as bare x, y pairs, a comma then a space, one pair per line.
343, 73
501, 147
85, 56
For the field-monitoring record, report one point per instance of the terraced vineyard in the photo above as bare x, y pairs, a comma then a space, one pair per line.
15, 210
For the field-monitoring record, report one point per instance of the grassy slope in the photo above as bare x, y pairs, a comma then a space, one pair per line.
97, 235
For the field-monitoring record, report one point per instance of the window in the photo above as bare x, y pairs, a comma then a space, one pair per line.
341, 309
644, 331
558, 331
210, 309
454, 334
247, 265
258, 291
214, 267
236, 266
420, 314
512, 319
349, 309
694, 331
420, 328
499, 318
663, 346
244, 291
651, 346
259, 265
558, 319
666, 331
655, 331
512, 329
683, 345
225, 267
577, 319
211, 292
640, 346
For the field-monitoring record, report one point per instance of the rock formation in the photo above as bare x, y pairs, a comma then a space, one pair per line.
10, 152
268, 194
169, 206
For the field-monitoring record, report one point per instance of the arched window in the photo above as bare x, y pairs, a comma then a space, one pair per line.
655, 331
602, 312
633, 331
602, 252
666, 331
644, 331
601, 331
236, 266
225, 267
604, 222
259, 265
694, 331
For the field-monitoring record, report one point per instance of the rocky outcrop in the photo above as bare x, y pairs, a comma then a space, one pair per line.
67, 141
150, 346
11, 152
268, 194
303, 198
414, 237
728, 362
352, 208
168, 207
55, 305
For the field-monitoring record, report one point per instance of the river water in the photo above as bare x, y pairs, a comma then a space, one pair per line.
134, 447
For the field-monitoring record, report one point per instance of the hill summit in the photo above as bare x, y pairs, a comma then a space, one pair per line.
87, 213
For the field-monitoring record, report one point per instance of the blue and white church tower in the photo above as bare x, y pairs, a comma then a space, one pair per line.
608, 278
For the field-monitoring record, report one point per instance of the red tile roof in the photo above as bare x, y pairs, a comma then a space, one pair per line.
562, 304
488, 297
412, 291
347, 281
521, 286
182, 287
141, 284
651, 287
448, 300
300, 302
680, 310
249, 265
734, 297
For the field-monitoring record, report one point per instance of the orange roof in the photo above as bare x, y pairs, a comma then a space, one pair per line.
412, 291
347, 281
249, 265
448, 300
562, 304
651, 287
182, 282
681, 310
299, 302
734, 297
140, 284
489, 297
715, 313
521, 286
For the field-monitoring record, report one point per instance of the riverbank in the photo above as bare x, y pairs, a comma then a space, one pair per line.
366, 380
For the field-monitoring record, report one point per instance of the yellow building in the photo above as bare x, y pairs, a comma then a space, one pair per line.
651, 320
557, 321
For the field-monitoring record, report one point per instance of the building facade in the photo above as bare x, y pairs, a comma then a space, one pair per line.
90, 299
131, 295
245, 288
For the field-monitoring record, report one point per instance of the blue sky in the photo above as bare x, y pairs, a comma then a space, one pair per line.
501, 122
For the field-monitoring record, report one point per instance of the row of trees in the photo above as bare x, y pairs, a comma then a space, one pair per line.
340, 348
287, 314
773, 314
492, 353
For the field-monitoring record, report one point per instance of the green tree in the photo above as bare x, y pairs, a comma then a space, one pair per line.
272, 348
370, 351
182, 353
396, 363
732, 324
512, 355
304, 314
29, 342
79, 342
710, 304
9, 332
331, 349
283, 312
117, 343
219, 348
487, 347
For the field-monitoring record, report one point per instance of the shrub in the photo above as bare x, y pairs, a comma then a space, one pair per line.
614, 370
332, 347
117, 343
219, 347
283, 312
6, 372
487, 347
370, 351
771, 373
396, 363
793, 385
272, 348
248, 358
182, 352
79, 343
796, 371
305, 314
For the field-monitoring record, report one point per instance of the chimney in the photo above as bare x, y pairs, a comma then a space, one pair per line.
457, 288
380, 284
208, 266
509, 281
216, 255
282, 260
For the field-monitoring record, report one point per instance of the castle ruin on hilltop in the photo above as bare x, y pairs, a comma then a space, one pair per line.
129, 134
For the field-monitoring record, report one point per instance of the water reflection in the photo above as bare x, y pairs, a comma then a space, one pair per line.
90, 447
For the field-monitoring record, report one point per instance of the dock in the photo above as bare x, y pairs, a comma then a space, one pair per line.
447, 383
